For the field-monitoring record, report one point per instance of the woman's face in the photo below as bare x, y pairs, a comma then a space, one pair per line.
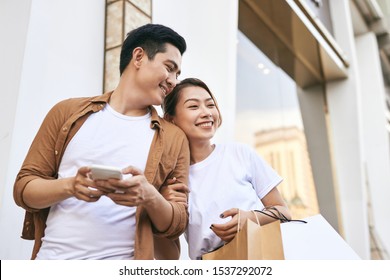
196, 114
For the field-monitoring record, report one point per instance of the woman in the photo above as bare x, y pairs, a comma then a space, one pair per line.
227, 182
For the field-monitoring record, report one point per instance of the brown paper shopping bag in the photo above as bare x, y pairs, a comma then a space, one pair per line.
252, 242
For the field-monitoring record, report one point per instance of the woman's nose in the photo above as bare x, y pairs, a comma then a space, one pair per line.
206, 112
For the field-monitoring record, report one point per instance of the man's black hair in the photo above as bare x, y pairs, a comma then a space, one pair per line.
153, 39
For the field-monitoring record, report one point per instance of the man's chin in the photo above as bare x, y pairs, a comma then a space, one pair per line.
158, 103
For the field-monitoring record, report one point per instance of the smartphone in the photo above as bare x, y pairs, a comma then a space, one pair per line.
104, 172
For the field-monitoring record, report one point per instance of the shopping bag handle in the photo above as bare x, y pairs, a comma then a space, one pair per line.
239, 219
278, 215
257, 218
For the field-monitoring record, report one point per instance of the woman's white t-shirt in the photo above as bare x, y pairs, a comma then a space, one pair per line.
232, 176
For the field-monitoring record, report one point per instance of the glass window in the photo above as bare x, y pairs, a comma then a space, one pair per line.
268, 118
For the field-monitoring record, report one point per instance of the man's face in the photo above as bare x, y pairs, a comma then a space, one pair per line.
157, 77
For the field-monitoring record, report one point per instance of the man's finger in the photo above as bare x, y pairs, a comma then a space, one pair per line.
84, 170
171, 181
132, 170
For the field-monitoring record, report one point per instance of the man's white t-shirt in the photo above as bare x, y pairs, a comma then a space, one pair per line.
232, 176
98, 230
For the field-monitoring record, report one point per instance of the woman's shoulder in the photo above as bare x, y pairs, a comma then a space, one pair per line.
235, 146
237, 150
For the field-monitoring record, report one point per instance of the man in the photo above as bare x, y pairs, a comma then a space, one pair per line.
72, 216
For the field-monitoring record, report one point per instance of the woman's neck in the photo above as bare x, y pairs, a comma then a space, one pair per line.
200, 151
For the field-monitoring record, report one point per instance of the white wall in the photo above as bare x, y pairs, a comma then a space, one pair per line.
346, 130
376, 138
63, 57
210, 30
13, 31
12, 45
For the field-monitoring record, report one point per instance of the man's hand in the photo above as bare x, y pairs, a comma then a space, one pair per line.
132, 191
83, 187
135, 190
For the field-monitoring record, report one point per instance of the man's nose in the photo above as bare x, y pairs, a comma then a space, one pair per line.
172, 80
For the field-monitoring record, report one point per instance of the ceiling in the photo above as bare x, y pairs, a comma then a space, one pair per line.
294, 39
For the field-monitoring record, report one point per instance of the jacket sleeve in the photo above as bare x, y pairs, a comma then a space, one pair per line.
40, 161
180, 213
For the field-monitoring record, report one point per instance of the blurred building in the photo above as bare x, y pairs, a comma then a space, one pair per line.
305, 82
285, 150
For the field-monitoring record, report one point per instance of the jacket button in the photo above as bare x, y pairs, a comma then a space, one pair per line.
64, 128
56, 152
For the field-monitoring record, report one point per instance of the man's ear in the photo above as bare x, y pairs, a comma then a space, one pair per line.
138, 54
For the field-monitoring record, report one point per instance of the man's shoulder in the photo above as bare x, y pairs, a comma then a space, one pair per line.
78, 103
168, 125
171, 129
73, 101
68, 107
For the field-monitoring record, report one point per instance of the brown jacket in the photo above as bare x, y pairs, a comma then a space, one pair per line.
168, 157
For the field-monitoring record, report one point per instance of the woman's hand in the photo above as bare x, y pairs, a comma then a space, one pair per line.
228, 230
175, 192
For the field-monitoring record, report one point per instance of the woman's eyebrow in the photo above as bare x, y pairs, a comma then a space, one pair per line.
191, 99
197, 100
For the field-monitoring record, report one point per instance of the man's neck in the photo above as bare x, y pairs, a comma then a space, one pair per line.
127, 104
